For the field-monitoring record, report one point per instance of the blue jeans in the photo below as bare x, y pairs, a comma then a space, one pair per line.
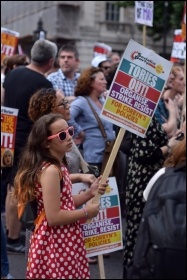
4, 257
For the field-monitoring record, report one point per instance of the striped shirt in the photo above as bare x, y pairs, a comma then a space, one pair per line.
59, 81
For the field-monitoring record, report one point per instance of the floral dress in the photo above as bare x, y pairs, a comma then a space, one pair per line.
145, 160
58, 252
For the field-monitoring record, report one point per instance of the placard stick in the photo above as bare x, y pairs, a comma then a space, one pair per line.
144, 35
109, 165
104, 178
101, 267
184, 101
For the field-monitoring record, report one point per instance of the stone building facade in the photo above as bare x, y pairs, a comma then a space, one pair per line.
82, 23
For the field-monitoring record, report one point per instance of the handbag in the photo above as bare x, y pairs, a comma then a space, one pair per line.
109, 144
93, 169
87, 168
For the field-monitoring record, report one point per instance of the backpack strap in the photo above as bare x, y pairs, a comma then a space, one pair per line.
39, 219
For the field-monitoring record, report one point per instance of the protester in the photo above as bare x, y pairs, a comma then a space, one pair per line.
168, 111
176, 158
66, 77
111, 74
102, 62
46, 101
4, 258
19, 86
10, 63
57, 248
114, 58
146, 157
55, 67
91, 85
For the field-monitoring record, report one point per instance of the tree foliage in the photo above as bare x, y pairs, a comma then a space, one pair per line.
167, 17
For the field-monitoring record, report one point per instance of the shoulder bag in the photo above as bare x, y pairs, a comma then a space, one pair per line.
109, 144
87, 168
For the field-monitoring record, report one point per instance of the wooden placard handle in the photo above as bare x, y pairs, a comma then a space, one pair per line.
109, 165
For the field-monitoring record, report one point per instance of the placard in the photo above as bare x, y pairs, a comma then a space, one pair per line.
9, 42
136, 89
8, 131
104, 233
144, 12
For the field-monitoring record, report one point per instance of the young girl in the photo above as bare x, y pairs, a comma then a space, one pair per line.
57, 248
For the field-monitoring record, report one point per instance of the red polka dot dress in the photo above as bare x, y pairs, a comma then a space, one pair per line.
58, 252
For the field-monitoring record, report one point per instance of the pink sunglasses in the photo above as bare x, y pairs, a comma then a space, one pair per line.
62, 135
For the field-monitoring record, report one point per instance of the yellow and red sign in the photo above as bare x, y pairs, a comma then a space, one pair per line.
9, 42
8, 131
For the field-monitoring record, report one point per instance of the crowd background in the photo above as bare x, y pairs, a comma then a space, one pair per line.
52, 76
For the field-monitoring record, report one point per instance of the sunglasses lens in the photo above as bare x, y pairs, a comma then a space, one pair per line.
71, 131
62, 135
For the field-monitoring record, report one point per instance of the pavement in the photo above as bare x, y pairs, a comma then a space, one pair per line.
112, 267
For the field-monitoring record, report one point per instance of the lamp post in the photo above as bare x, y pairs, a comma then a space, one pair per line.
165, 22
39, 33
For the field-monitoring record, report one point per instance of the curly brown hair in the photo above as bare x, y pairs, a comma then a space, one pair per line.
85, 80
178, 155
42, 102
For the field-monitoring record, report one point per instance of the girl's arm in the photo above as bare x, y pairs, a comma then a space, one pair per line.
80, 177
83, 197
50, 182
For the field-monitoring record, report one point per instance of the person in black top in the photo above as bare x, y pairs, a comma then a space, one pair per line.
19, 85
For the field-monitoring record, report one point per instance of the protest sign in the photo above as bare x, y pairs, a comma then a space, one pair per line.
104, 233
8, 130
178, 52
144, 12
9, 42
184, 23
136, 89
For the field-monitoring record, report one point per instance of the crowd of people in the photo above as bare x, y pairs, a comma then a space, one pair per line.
56, 127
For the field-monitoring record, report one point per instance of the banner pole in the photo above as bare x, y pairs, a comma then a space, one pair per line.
144, 35
109, 164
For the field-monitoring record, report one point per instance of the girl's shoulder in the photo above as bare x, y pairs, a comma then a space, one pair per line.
50, 168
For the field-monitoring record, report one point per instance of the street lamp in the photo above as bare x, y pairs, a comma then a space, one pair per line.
39, 33
165, 23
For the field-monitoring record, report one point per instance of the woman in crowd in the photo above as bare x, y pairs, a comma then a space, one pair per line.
176, 158
91, 84
169, 108
146, 157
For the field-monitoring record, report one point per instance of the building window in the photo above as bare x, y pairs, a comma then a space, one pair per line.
112, 11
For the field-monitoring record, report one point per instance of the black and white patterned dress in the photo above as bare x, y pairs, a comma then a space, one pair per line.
145, 160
